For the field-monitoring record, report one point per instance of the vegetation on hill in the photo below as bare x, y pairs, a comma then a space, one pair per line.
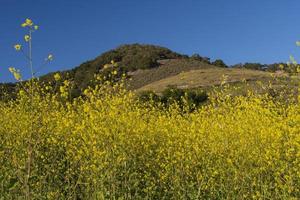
134, 59
219, 63
126, 57
147, 64
184, 98
130, 57
290, 67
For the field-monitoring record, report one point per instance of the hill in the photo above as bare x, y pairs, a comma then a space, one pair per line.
151, 67
127, 57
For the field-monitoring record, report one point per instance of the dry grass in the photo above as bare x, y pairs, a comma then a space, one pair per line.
206, 77
168, 68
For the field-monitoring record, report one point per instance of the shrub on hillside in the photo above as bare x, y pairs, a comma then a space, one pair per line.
172, 95
219, 63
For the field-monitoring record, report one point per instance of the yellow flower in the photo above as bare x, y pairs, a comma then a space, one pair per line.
36, 27
29, 22
50, 57
15, 72
11, 69
17, 47
57, 77
67, 83
27, 38
281, 67
106, 66
112, 62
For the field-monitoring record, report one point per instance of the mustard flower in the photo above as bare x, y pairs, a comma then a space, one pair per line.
50, 57
28, 22
16, 73
18, 47
105, 66
27, 38
57, 77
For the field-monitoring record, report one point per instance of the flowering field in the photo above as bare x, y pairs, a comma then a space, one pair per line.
107, 145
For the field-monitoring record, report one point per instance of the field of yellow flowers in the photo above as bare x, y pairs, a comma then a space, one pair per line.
107, 145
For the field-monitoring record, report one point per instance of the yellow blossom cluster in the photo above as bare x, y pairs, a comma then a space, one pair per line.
16, 73
28, 23
28, 53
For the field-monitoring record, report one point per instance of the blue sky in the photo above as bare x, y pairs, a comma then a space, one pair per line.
75, 31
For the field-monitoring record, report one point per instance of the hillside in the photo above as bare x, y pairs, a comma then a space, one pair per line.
167, 69
151, 67
206, 77
127, 58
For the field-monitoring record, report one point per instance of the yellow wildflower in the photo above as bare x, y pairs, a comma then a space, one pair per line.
16, 73
67, 83
281, 67
17, 47
27, 38
50, 57
57, 77
29, 22
105, 66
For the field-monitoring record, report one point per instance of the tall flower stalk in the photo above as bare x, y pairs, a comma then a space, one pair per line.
31, 28
32, 137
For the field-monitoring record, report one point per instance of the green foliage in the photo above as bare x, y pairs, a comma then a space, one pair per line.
290, 67
147, 96
219, 63
254, 66
200, 58
8, 91
182, 97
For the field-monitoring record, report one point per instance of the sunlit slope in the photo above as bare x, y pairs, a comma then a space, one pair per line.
206, 77
167, 68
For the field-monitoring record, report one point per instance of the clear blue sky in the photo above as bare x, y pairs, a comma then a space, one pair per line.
75, 31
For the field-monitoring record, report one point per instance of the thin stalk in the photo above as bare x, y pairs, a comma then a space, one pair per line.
30, 54
30, 148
